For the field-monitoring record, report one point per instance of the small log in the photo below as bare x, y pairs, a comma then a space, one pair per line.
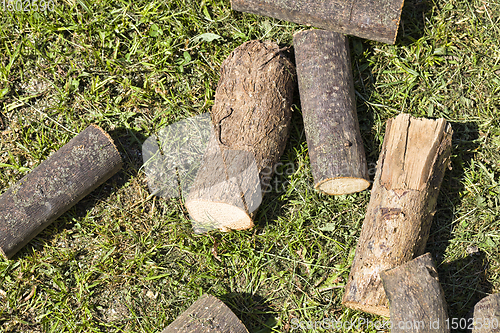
375, 20
486, 315
326, 90
53, 187
251, 117
207, 315
410, 169
416, 299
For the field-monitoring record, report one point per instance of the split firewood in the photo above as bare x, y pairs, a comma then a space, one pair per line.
251, 117
416, 299
375, 20
207, 315
53, 187
326, 89
410, 169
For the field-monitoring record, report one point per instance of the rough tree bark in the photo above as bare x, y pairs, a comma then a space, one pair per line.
207, 315
416, 299
376, 20
486, 315
414, 156
251, 117
326, 89
53, 187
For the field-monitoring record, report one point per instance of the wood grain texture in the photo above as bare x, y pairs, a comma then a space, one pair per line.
251, 115
410, 169
53, 187
207, 315
416, 299
326, 90
375, 20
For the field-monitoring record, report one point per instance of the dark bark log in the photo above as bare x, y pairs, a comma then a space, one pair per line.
251, 117
486, 315
414, 156
326, 89
375, 20
416, 299
207, 315
53, 187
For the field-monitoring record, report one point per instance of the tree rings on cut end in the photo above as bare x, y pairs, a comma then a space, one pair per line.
342, 185
207, 213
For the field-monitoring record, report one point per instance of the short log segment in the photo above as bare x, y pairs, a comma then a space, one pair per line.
486, 315
207, 315
375, 20
53, 187
251, 117
410, 169
326, 90
416, 299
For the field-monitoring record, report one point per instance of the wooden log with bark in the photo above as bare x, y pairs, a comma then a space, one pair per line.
486, 315
416, 299
375, 20
59, 182
251, 117
207, 315
326, 90
410, 169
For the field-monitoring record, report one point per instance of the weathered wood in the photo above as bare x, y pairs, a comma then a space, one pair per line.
207, 315
375, 20
53, 187
486, 315
410, 169
326, 90
251, 117
416, 299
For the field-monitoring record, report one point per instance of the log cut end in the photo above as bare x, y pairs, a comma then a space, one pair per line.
218, 215
342, 185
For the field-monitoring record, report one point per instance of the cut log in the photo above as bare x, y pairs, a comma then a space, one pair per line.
375, 20
326, 90
486, 315
207, 315
416, 299
251, 117
53, 187
410, 169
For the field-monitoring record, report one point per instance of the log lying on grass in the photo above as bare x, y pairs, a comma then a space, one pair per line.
251, 117
326, 90
416, 299
53, 187
207, 315
414, 156
486, 315
376, 20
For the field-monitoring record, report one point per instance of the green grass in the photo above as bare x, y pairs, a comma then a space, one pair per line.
122, 261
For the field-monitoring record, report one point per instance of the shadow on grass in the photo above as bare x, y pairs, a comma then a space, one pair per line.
253, 311
464, 281
412, 24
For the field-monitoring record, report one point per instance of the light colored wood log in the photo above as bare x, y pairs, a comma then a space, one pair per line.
410, 169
